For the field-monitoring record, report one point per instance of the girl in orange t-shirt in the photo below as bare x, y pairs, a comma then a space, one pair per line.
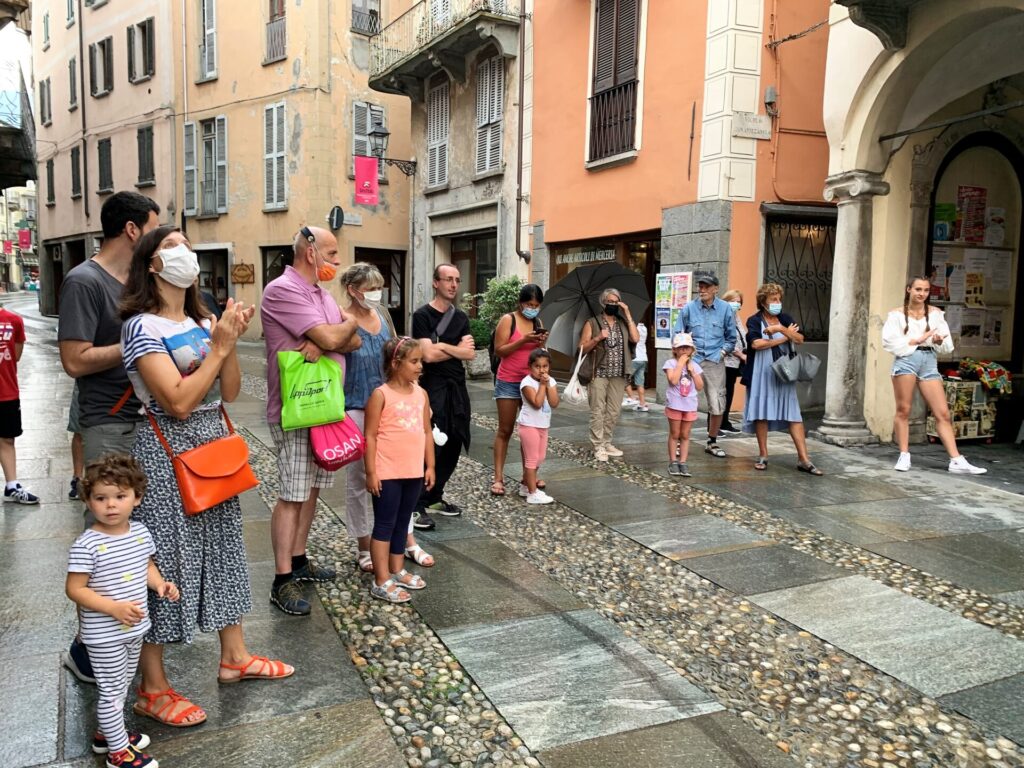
398, 445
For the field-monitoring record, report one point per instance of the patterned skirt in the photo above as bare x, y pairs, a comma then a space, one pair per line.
204, 555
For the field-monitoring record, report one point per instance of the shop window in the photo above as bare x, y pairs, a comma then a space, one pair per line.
477, 261
275, 259
798, 256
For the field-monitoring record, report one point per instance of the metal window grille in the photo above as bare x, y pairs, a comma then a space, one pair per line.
798, 256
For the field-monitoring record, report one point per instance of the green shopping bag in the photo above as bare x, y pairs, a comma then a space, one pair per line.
311, 393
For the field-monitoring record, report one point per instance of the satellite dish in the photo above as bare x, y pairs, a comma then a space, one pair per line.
336, 218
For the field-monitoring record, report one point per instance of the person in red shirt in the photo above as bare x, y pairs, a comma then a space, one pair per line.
12, 342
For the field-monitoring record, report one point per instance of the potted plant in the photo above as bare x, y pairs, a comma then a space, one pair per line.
500, 298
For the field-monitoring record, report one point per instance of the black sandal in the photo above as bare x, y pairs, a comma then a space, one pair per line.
810, 469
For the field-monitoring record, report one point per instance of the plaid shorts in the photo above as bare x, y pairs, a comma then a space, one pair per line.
298, 474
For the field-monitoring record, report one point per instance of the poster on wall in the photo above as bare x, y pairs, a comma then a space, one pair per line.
972, 326
671, 292
993, 334
970, 213
956, 283
945, 221
995, 226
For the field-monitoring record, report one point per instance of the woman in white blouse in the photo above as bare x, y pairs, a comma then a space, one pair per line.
916, 335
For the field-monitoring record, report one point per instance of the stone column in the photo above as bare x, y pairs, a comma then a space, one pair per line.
854, 191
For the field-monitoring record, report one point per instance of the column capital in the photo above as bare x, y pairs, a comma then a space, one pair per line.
844, 187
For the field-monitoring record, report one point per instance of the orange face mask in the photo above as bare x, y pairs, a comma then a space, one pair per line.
326, 271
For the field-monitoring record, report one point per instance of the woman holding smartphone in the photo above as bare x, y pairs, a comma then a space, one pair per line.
515, 337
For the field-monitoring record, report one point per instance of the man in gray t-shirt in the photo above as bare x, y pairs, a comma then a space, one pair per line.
90, 327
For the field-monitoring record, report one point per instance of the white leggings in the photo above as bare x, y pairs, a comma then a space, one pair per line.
358, 504
114, 667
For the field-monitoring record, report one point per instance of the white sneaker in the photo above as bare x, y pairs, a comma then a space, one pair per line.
523, 490
600, 454
960, 466
628, 401
641, 408
539, 497
903, 463
611, 450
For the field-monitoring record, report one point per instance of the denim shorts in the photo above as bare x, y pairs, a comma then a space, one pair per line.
639, 373
507, 390
921, 363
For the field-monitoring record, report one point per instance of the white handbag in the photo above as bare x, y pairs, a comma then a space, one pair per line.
575, 392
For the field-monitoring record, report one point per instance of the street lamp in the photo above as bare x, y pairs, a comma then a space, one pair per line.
379, 136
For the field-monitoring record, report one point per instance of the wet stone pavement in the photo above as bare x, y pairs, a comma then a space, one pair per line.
742, 619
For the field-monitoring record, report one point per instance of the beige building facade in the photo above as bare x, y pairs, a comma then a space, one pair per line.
254, 110
465, 66
926, 135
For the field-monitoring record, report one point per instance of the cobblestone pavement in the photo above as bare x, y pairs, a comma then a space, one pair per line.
747, 619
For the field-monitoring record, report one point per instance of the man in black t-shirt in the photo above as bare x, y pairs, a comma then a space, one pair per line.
444, 336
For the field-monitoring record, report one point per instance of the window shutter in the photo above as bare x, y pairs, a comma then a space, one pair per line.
437, 135
360, 128
131, 54
377, 115
92, 68
140, 148
626, 28
73, 91
281, 187
496, 105
209, 37
269, 167
191, 174
150, 48
604, 45
108, 64
51, 194
222, 164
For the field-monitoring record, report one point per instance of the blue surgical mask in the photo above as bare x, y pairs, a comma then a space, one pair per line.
734, 306
775, 308
530, 312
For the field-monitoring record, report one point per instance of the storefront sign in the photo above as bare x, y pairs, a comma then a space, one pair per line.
747, 125
584, 254
366, 180
243, 274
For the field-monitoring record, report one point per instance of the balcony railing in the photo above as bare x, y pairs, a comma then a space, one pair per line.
276, 40
208, 198
613, 121
426, 21
365, 22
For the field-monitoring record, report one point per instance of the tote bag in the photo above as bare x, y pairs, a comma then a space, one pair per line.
337, 444
574, 391
311, 393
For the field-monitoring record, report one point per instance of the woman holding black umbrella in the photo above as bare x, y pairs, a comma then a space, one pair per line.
609, 337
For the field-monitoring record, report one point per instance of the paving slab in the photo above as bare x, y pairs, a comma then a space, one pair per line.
720, 740
987, 562
763, 569
449, 529
1013, 598
29, 709
823, 520
933, 650
998, 705
691, 536
787, 487
629, 506
482, 580
571, 677
64, 521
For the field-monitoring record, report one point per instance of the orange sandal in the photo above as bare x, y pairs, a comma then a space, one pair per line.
270, 669
177, 721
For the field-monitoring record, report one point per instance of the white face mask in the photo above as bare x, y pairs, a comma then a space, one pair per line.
371, 299
181, 265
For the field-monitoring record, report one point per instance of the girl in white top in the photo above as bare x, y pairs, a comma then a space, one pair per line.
540, 395
915, 335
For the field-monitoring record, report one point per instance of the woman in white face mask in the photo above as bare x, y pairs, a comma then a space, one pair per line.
364, 372
182, 364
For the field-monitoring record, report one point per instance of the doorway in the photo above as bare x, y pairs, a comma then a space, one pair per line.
391, 265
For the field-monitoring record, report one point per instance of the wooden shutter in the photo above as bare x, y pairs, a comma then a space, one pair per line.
106, 172
144, 139
496, 108
360, 128
131, 54
72, 82
627, 24
604, 45
281, 180
51, 194
108, 64
92, 68
191, 172
437, 135
483, 114
149, 50
209, 37
222, 163
274, 188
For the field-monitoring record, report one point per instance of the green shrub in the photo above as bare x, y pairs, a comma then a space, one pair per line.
480, 331
500, 298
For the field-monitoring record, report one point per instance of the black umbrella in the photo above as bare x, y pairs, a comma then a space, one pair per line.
576, 298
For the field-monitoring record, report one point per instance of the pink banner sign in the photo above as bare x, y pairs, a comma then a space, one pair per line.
366, 180
8, 246
25, 239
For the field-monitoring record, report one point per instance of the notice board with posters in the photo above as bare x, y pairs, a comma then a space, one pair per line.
671, 293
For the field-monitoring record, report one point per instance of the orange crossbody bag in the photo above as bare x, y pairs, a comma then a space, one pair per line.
212, 473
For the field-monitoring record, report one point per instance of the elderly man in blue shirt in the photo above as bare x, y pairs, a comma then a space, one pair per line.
712, 324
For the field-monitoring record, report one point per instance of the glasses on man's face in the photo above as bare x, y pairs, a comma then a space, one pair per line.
455, 280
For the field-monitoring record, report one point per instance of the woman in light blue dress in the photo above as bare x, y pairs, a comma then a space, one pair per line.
771, 403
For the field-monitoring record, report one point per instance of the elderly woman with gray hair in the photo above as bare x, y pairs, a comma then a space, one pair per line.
364, 372
609, 337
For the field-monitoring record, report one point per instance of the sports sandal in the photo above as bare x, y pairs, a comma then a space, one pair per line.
408, 580
162, 715
497, 488
390, 592
364, 561
269, 669
420, 556
714, 450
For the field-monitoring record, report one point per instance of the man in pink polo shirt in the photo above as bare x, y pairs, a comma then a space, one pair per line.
298, 314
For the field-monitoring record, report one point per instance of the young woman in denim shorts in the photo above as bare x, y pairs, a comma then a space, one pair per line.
916, 334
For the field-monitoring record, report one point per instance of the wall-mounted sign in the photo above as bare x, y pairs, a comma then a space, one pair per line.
584, 254
336, 218
243, 274
353, 219
25, 239
747, 125
8, 246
